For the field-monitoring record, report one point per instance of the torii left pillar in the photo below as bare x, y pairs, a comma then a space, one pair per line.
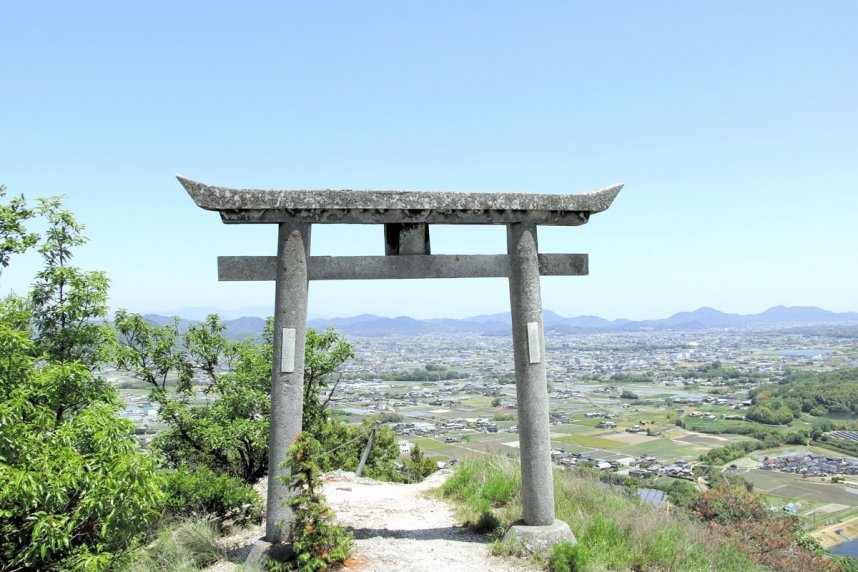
287, 389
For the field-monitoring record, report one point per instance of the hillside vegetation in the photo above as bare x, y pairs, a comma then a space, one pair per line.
814, 393
726, 528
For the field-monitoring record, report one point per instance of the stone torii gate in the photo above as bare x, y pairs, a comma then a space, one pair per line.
406, 217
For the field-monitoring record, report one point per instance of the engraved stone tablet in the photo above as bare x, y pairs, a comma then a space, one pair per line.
287, 351
534, 350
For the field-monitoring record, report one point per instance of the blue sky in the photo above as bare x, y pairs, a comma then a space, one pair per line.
733, 125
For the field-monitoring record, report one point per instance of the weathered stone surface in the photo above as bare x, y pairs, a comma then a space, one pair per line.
287, 388
539, 538
367, 207
406, 238
262, 550
407, 266
531, 387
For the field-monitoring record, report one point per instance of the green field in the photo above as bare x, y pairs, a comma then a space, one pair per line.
662, 448
589, 441
795, 487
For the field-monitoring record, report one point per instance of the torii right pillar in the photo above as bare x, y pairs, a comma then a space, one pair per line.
538, 529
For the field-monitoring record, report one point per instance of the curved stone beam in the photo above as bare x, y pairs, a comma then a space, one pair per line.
367, 207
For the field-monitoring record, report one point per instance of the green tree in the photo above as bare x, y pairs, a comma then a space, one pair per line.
229, 432
418, 466
68, 304
325, 352
150, 353
75, 490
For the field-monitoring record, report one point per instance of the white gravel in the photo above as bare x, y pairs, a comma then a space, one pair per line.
399, 528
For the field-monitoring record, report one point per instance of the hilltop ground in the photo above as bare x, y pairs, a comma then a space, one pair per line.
397, 528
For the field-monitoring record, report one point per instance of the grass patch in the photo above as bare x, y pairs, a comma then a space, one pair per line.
572, 428
185, 546
614, 531
430, 444
488, 485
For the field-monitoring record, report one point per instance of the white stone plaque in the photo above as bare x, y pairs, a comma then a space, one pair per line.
534, 349
287, 351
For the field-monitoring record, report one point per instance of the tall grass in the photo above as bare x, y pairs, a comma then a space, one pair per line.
487, 492
615, 531
185, 546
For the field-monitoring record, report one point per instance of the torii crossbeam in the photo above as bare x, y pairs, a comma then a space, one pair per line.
406, 217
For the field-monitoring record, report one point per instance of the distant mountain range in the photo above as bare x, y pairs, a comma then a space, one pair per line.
499, 324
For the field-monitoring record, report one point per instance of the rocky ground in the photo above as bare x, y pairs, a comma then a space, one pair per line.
396, 527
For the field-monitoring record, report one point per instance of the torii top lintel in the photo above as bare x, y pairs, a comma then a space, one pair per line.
373, 207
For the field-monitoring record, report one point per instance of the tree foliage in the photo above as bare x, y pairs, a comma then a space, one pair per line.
774, 540
202, 493
228, 432
69, 305
324, 353
14, 236
74, 488
148, 352
815, 393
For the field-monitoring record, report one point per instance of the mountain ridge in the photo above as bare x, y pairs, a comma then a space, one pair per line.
499, 324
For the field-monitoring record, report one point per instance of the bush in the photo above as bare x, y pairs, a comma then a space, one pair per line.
418, 467
204, 493
75, 489
318, 542
568, 557
773, 540
488, 523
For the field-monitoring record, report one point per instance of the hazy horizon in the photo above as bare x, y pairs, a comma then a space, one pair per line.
199, 312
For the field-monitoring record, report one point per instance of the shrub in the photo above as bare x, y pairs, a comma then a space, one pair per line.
204, 493
568, 557
318, 542
488, 523
773, 540
75, 489
418, 467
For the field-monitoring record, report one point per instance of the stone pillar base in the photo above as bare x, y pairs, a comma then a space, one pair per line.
539, 538
263, 549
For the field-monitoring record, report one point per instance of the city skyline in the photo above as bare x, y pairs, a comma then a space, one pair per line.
732, 127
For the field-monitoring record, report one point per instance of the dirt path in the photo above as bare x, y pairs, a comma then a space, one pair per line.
397, 528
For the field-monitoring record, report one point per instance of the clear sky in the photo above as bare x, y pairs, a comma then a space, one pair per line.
733, 124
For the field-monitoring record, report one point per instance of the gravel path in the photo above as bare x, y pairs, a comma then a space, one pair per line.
399, 528
396, 527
